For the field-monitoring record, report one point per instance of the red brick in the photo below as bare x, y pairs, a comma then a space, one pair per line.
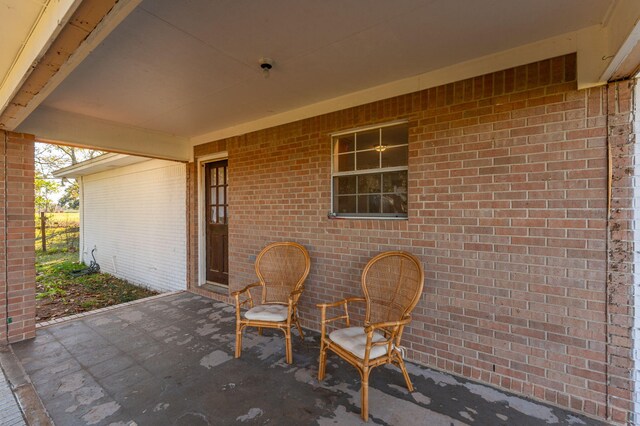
17, 214
507, 205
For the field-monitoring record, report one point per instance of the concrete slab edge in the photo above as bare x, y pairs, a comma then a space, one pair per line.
33, 410
101, 310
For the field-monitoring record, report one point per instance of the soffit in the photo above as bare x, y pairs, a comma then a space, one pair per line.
189, 68
99, 164
18, 20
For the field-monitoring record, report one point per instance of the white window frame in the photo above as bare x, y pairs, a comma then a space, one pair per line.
368, 216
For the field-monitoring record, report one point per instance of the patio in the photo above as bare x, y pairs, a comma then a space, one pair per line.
170, 360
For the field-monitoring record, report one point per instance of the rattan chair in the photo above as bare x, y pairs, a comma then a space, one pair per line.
392, 284
281, 269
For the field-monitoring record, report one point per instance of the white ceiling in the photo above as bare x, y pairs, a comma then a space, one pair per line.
191, 67
18, 19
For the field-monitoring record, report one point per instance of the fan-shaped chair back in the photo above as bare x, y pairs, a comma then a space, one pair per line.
392, 284
282, 268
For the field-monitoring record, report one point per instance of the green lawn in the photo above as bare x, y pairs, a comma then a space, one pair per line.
62, 232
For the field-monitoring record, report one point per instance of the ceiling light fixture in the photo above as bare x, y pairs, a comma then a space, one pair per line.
266, 64
380, 148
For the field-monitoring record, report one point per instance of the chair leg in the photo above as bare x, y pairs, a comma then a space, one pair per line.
238, 341
405, 373
294, 318
288, 354
260, 331
299, 329
364, 394
323, 360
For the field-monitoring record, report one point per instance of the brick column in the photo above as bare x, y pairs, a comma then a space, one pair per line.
17, 234
3, 240
620, 255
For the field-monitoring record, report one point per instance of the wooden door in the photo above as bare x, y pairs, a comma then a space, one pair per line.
216, 177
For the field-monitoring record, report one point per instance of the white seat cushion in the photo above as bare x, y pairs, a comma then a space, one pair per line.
273, 313
354, 340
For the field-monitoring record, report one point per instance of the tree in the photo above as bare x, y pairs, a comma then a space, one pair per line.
71, 197
49, 158
45, 189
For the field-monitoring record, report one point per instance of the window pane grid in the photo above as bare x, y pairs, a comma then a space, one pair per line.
370, 169
358, 150
218, 205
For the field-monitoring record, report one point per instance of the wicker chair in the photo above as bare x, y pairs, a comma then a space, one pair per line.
392, 284
281, 269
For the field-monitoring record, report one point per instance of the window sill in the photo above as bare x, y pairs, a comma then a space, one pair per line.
333, 217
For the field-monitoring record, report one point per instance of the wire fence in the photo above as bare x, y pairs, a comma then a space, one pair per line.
57, 232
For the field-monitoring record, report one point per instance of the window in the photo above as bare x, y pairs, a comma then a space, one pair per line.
370, 172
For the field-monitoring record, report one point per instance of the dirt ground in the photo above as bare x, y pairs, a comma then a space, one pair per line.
60, 293
80, 299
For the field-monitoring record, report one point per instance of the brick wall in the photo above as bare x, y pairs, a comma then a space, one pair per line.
17, 256
507, 211
635, 173
620, 250
3, 239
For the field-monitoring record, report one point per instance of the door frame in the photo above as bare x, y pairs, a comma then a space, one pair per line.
202, 228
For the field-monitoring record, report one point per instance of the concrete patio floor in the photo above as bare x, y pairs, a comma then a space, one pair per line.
169, 361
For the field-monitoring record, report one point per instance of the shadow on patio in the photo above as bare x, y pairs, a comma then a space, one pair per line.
170, 360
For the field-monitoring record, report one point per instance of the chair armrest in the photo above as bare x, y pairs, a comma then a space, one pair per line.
295, 293
340, 302
293, 298
323, 309
249, 300
247, 288
343, 302
389, 324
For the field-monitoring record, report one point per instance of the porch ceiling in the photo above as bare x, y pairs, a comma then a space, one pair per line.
191, 69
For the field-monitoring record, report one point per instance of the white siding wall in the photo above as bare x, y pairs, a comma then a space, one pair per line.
136, 218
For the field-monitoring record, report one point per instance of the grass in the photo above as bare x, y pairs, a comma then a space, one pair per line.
59, 293
62, 217
53, 271
62, 232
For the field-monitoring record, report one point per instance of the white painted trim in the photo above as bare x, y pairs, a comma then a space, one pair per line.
114, 17
202, 237
369, 171
91, 166
368, 218
630, 44
81, 214
44, 32
64, 127
364, 129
